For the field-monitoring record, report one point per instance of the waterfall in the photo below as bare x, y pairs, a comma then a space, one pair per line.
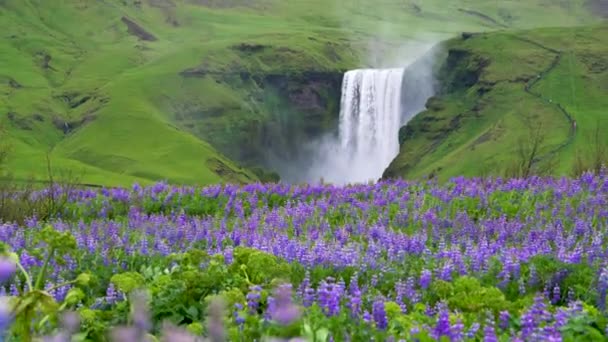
370, 118
375, 104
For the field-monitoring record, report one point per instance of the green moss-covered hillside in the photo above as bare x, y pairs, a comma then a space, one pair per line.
504, 91
188, 90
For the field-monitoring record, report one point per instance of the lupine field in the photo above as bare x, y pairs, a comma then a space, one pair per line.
469, 260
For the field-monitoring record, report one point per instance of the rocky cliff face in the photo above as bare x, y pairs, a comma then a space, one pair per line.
299, 108
277, 113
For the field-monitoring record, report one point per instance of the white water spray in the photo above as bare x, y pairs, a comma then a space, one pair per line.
370, 118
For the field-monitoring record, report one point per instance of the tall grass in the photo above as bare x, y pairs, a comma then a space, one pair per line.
23, 199
595, 158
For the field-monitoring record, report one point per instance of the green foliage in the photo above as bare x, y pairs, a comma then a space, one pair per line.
74, 296
581, 279
393, 310
584, 327
266, 176
35, 307
276, 200
470, 297
442, 290
128, 281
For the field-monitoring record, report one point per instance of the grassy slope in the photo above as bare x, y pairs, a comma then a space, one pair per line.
52, 55
580, 84
484, 138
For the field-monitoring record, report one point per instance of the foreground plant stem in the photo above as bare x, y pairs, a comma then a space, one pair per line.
38, 285
62, 285
28, 279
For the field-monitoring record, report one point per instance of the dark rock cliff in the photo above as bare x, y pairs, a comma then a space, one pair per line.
277, 113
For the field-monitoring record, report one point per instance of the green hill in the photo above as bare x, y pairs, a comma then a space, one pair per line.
503, 91
190, 90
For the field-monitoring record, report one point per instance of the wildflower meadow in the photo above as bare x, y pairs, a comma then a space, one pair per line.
479, 259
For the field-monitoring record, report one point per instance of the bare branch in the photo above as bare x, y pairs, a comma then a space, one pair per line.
528, 161
596, 158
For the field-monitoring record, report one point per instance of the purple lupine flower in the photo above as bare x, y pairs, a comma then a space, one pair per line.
571, 296
379, 314
111, 294
472, 332
328, 296
215, 325
366, 316
229, 255
374, 280
425, 279
489, 334
400, 291
61, 293
561, 317
7, 268
253, 298
556, 295
309, 297
504, 319
411, 293
457, 331
528, 325
442, 328
534, 317
354, 297
539, 309
533, 277
48, 286
140, 314
521, 286
171, 333
445, 273
304, 284
13, 290
603, 288
415, 330
6, 316
238, 318
284, 311
270, 303
506, 278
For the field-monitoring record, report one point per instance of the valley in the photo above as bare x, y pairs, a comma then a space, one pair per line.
198, 92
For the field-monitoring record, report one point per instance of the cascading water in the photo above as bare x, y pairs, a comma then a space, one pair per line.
370, 118
375, 104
